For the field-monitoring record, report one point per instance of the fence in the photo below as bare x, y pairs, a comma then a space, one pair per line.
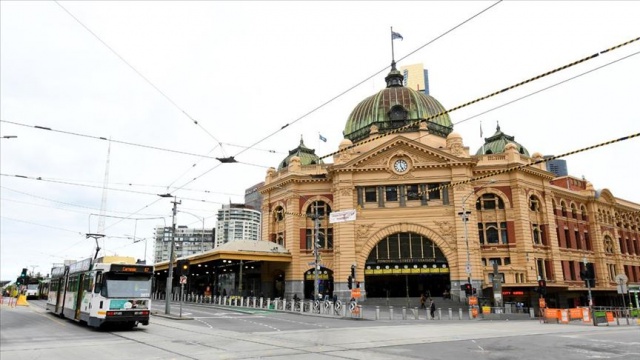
597, 316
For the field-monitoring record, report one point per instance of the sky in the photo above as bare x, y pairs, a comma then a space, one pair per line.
176, 84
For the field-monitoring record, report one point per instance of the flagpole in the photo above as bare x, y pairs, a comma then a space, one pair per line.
393, 57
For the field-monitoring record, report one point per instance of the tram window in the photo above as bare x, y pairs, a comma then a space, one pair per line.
98, 287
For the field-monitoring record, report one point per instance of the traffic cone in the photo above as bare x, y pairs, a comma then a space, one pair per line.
22, 300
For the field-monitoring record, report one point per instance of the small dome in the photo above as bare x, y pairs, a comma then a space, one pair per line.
454, 135
395, 107
497, 143
345, 143
302, 154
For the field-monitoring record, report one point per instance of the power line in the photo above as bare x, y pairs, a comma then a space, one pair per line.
547, 88
105, 139
342, 93
98, 187
501, 91
367, 79
47, 226
140, 74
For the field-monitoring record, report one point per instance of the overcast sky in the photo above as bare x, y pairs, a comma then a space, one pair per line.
141, 72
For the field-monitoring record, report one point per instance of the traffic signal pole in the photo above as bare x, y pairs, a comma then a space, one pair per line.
316, 253
167, 306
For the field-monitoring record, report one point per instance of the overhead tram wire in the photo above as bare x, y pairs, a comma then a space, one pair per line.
368, 78
105, 139
495, 93
99, 187
141, 75
544, 89
345, 91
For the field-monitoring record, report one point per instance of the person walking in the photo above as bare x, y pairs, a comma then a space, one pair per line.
432, 310
423, 301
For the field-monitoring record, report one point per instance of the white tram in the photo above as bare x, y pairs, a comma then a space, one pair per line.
106, 290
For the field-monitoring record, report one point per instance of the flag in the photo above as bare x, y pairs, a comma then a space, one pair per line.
395, 35
322, 138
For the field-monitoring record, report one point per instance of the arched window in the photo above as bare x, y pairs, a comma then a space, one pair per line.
574, 211
563, 206
583, 210
278, 214
608, 245
534, 203
323, 239
489, 202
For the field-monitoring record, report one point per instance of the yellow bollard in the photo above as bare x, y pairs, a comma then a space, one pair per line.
22, 300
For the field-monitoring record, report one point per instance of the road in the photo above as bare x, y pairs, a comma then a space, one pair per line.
217, 333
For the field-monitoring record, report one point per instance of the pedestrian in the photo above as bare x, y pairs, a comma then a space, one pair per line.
432, 309
423, 301
224, 292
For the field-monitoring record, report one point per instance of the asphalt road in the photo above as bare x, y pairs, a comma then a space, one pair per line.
217, 333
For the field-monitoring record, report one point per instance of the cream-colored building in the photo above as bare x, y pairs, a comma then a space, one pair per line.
413, 181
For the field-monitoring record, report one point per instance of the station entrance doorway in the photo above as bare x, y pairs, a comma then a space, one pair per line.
406, 265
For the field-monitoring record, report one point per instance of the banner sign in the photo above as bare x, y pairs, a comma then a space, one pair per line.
342, 216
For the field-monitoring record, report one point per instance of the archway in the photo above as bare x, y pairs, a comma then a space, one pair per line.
406, 264
325, 286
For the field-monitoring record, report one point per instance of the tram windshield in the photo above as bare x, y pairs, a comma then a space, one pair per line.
126, 285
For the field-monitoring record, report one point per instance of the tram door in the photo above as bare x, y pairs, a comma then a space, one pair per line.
62, 284
79, 296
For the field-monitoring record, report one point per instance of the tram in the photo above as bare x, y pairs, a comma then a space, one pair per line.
108, 290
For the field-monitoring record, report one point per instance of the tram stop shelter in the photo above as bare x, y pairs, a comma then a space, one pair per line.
239, 267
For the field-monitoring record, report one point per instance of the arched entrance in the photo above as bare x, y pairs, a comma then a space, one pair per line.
406, 264
325, 286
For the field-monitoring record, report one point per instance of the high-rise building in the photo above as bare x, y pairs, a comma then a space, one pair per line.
188, 241
237, 222
415, 77
252, 197
557, 166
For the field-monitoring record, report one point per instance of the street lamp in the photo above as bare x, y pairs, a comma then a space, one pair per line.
464, 214
201, 234
167, 308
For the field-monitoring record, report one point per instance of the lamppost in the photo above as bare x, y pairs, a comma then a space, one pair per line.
464, 214
201, 234
167, 307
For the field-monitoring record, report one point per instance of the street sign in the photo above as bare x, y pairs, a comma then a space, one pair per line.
183, 279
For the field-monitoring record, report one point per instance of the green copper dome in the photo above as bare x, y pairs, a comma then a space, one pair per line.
497, 142
307, 156
394, 107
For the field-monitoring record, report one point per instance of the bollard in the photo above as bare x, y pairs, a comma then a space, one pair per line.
404, 313
268, 303
261, 302
459, 313
284, 304
532, 313
450, 314
416, 313
361, 314
390, 312
470, 314
439, 314
377, 312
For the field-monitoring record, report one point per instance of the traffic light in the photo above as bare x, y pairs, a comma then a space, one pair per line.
542, 287
468, 289
588, 275
183, 267
350, 282
19, 281
22, 279
353, 271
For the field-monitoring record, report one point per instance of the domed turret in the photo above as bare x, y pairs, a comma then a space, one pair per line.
394, 107
304, 154
497, 143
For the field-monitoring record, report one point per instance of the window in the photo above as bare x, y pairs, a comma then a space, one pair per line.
490, 233
489, 202
391, 193
413, 192
576, 234
564, 209
495, 261
507, 261
574, 211
278, 214
370, 194
537, 239
319, 208
434, 191
534, 203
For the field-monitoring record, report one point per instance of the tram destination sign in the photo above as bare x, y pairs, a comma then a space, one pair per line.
131, 268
